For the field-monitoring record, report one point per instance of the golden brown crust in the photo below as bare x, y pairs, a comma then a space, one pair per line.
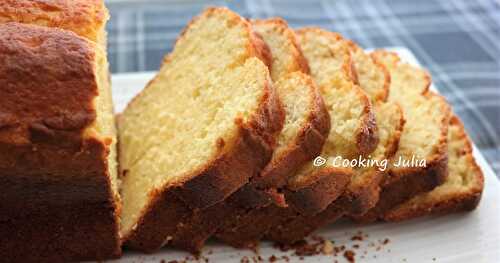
367, 134
299, 62
84, 17
384, 90
254, 204
387, 80
393, 143
460, 201
52, 175
220, 178
324, 185
262, 51
361, 197
306, 145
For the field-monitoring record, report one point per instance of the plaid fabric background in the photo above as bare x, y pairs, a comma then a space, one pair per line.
458, 41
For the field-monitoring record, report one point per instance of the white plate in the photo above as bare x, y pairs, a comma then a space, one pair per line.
465, 237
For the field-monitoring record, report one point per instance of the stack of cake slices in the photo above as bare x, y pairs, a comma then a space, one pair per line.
308, 100
250, 130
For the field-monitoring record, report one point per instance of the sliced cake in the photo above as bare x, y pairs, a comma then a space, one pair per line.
373, 77
331, 64
306, 126
361, 192
423, 138
205, 125
344, 106
462, 189
353, 133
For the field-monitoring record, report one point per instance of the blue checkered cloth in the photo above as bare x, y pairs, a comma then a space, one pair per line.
457, 41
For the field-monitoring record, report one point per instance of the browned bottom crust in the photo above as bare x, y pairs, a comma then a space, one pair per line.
194, 230
170, 209
297, 227
248, 229
356, 200
397, 189
59, 218
261, 191
61, 234
459, 203
454, 202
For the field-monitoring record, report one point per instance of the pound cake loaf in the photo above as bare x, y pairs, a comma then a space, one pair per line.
306, 127
424, 137
462, 189
205, 125
58, 173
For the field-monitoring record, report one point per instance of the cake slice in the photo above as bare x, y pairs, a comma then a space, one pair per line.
373, 77
423, 138
58, 172
205, 125
462, 189
306, 126
354, 130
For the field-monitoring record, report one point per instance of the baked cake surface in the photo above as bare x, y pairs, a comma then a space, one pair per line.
86, 18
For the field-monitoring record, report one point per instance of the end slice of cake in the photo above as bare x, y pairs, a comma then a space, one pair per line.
462, 189
58, 169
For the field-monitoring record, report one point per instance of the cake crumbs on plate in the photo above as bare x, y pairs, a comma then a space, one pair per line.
313, 246
350, 256
359, 236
